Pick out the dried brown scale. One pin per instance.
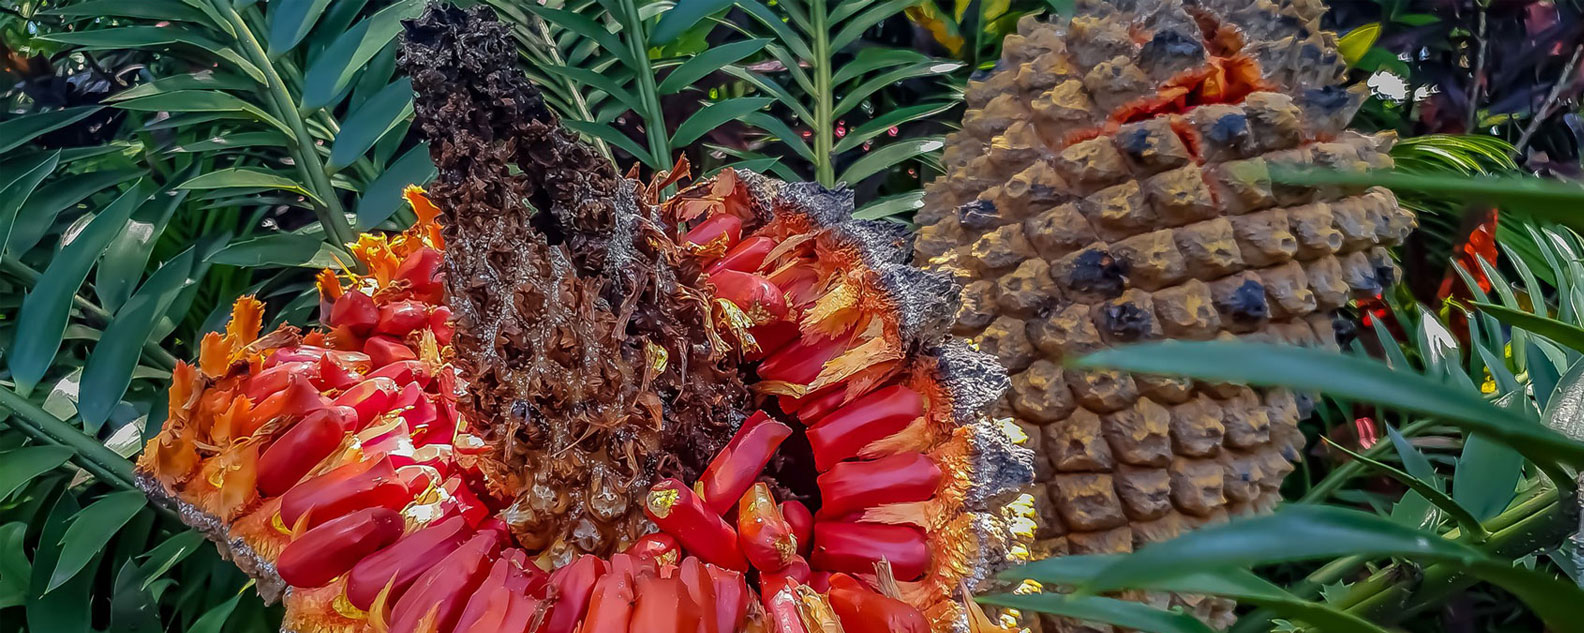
(563, 366)
(1104, 191)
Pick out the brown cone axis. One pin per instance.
(561, 314)
(1111, 184)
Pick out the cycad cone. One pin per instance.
(1111, 184)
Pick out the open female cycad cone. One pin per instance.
(564, 402)
(560, 403)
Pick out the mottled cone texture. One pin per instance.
(1111, 184)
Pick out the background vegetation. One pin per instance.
(159, 158)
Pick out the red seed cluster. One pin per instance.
(334, 464)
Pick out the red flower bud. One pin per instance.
(853, 486)
(418, 411)
(767, 540)
(327, 551)
(701, 531)
(842, 434)
(715, 616)
(367, 484)
(854, 548)
(302, 447)
(794, 574)
(801, 284)
(770, 338)
(295, 354)
(401, 563)
(736, 467)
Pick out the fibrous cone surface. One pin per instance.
(1111, 184)
(564, 402)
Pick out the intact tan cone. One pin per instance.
(1110, 184)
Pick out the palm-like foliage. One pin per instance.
(255, 142)
(793, 88)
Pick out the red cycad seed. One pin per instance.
(503, 603)
(402, 563)
(761, 300)
(334, 374)
(664, 605)
(700, 530)
(842, 434)
(731, 595)
(864, 611)
(366, 484)
(746, 257)
(570, 589)
(441, 592)
(270, 381)
(798, 516)
(354, 311)
(854, 548)
(302, 447)
(800, 363)
(327, 551)
(659, 547)
(404, 372)
(852, 486)
(781, 611)
(300, 397)
(809, 409)
(718, 233)
(397, 318)
(772, 582)
(700, 590)
(736, 467)
(440, 324)
(610, 607)
(369, 398)
(767, 539)
(384, 350)
(421, 270)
